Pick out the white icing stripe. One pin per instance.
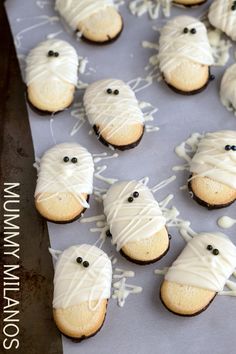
(175, 46)
(228, 88)
(199, 267)
(131, 222)
(74, 11)
(213, 161)
(75, 284)
(111, 112)
(223, 17)
(42, 68)
(56, 176)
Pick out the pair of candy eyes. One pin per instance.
(192, 30)
(134, 195)
(215, 251)
(73, 160)
(80, 260)
(115, 92)
(230, 147)
(51, 53)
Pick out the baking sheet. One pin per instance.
(143, 324)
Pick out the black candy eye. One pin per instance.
(227, 147)
(56, 54)
(193, 31)
(74, 160)
(86, 264)
(209, 248)
(66, 159)
(116, 92)
(109, 91)
(185, 30)
(136, 194)
(79, 260)
(233, 147)
(50, 53)
(130, 199)
(215, 252)
(233, 8)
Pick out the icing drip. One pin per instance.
(228, 88)
(221, 16)
(42, 67)
(42, 4)
(232, 286)
(220, 47)
(186, 150)
(121, 290)
(152, 7)
(53, 35)
(104, 156)
(226, 222)
(131, 221)
(74, 284)
(176, 46)
(82, 64)
(198, 266)
(56, 176)
(110, 112)
(213, 161)
(45, 20)
(98, 174)
(148, 112)
(74, 12)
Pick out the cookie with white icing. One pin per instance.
(222, 15)
(136, 222)
(228, 88)
(65, 181)
(51, 75)
(185, 55)
(97, 20)
(198, 274)
(82, 288)
(213, 170)
(114, 113)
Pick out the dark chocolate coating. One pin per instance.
(118, 147)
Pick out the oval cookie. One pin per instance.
(198, 274)
(136, 222)
(213, 169)
(189, 2)
(65, 181)
(228, 88)
(51, 75)
(113, 111)
(82, 287)
(185, 55)
(222, 15)
(97, 20)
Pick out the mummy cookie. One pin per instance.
(228, 88)
(82, 287)
(97, 20)
(213, 169)
(113, 111)
(198, 274)
(51, 75)
(65, 181)
(136, 222)
(185, 55)
(222, 15)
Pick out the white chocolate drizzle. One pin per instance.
(75, 284)
(226, 222)
(228, 89)
(40, 67)
(176, 46)
(74, 11)
(220, 47)
(223, 17)
(56, 176)
(110, 112)
(198, 266)
(131, 222)
(121, 290)
(152, 7)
